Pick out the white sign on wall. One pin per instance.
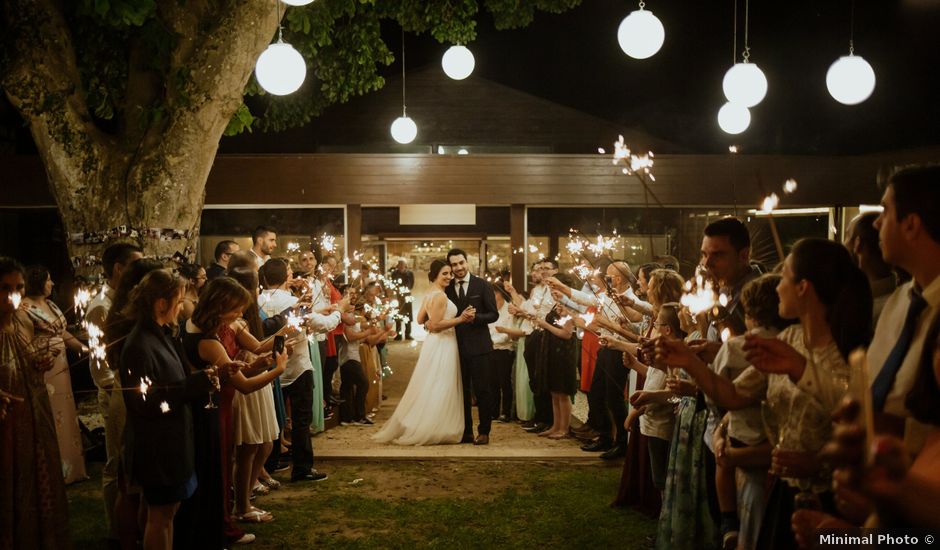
(437, 214)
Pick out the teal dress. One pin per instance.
(525, 401)
(318, 422)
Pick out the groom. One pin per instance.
(473, 341)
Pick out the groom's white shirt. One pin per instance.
(466, 284)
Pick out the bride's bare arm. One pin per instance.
(436, 311)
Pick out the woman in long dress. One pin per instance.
(431, 410)
(49, 331)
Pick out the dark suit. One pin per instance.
(473, 341)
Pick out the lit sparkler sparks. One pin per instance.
(296, 322)
(561, 321)
(770, 203)
(635, 164)
(293, 247)
(587, 317)
(328, 243)
(700, 299)
(95, 345)
(82, 298)
(164, 407)
(145, 384)
(789, 186)
(15, 299)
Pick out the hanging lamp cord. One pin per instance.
(734, 43)
(852, 29)
(280, 29)
(746, 55)
(403, 107)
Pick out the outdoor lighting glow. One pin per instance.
(850, 80)
(404, 130)
(280, 69)
(745, 84)
(734, 118)
(458, 62)
(641, 34)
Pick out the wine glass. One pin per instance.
(213, 377)
(672, 373)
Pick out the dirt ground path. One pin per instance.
(507, 441)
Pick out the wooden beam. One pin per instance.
(517, 214)
(534, 180)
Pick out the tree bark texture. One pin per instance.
(143, 183)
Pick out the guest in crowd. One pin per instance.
(502, 357)
(115, 259)
(539, 304)
(863, 243)
(214, 336)
(355, 383)
(46, 325)
(405, 279)
(298, 380)
(909, 235)
(128, 506)
(556, 369)
(610, 378)
(195, 276)
(726, 257)
(801, 374)
(223, 251)
(33, 503)
(160, 450)
(329, 349)
(263, 243)
(518, 330)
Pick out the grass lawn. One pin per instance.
(452, 504)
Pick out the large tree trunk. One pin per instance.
(144, 184)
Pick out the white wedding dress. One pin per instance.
(431, 410)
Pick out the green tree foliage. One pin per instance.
(341, 40)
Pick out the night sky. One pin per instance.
(574, 59)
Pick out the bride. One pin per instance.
(431, 410)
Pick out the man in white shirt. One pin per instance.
(909, 232)
(610, 376)
(115, 258)
(502, 357)
(263, 243)
(539, 305)
(297, 379)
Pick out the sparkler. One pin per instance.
(700, 299)
(164, 407)
(770, 203)
(293, 247)
(96, 345)
(328, 243)
(789, 186)
(82, 297)
(15, 299)
(145, 384)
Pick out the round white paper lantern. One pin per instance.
(641, 34)
(734, 118)
(280, 69)
(458, 62)
(297, 2)
(745, 84)
(404, 130)
(850, 79)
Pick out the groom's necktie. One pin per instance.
(460, 292)
(885, 379)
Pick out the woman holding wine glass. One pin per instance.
(159, 446)
(800, 373)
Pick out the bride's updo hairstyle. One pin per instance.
(435, 269)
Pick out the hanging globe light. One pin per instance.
(641, 34)
(458, 62)
(404, 129)
(850, 79)
(745, 84)
(734, 118)
(280, 69)
(297, 2)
